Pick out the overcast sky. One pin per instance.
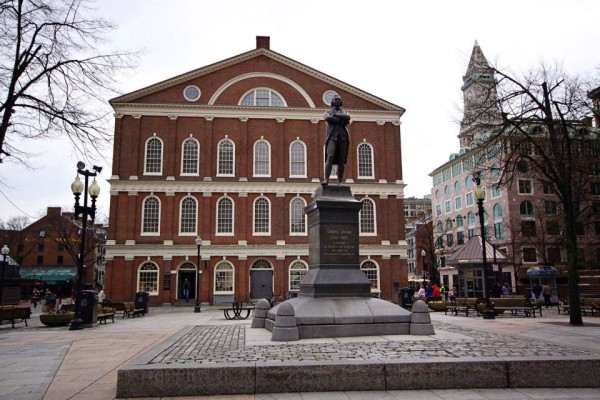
(410, 53)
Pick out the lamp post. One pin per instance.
(488, 312)
(5, 250)
(78, 187)
(198, 244)
(423, 254)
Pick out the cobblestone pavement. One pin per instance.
(225, 344)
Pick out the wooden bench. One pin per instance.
(131, 311)
(515, 306)
(13, 315)
(590, 304)
(462, 305)
(104, 313)
(238, 311)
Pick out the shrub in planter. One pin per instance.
(56, 319)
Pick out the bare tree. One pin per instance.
(545, 132)
(52, 80)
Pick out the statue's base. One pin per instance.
(336, 317)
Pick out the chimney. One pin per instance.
(263, 42)
(53, 211)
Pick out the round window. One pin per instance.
(328, 96)
(191, 93)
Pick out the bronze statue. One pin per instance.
(337, 142)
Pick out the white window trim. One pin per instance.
(461, 203)
(268, 174)
(155, 293)
(304, 175)
(530, 184)
(254, 233)
(271, 91)
(358, 175)
(448, 210)
(162, 152)
(523, 258)
(142, 233)
(219, 157)
(180, 214)
(215, 291)
(378, 290)
(189, 99)
(290, 274)
(305, 219)
(467, 199)
(374, 233)
(232, 233)
(197, 158)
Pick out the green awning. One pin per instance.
(50, 275)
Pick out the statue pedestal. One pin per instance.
(335, 296)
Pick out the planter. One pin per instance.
(56, 319)
(437, 305)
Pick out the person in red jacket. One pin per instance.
(436, 291)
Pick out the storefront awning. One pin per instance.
(50, 275)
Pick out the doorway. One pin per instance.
(187, 270)
(261, 280)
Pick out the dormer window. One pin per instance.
(262, 97)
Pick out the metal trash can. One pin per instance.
(406, 297)
(87, 307)
(141, 301)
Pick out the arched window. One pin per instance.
(153, 156)
(367, 218)
(365, 161)
(297, 159)
(261, 264)
(226, 158)
(188, 216)
(297, 216)
(457, 187)
(298, 270)
(371, 271)
(262, 216)
(262, 158)
(497, 212)
(151, 216)
(526, 209)
(225, 216)
(262, 97)
(224, 278)
(148, 278)
(190, 150)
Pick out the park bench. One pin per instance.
(237, 311)
(13, 315)
(104, 313)
(513, 306)
(131, 311)
(590, 304)
(462, 305)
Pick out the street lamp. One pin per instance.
(78, 188)
(488, 312)
(198, 244)
(5, 250)
(423, 254)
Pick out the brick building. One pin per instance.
(232, 153)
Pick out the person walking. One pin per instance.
(547, 292)
(186, 289)
(35, 297)
(506, 291)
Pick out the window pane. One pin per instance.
(297, 218)
(225, 216)
(297, 159)
(153, 155)
(148, 278)
(151, 215)
(261, 158)
(369, 268)
(223, 278)
(188, 215)
(190, 157)
(365, 160)
(226, 158)
(298, 271)
(261, 216)
(367, 217)
(262, 97)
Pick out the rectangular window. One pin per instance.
(529, 254)
(552, 228)
(469, 197)
(528, 228)
(41, 247)
(471, 233)
(40, 260)
(448, 206)
(60, 247)
(450, 239)
(457, 203)
(549, 189)
(460, 238)
(550, 207)
(554, 255)
(499, 230)
(525, 186)
(496, 191)
(438, 210)
(59, 260)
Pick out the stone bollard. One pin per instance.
(285, 324)
(260, 313)
(420, 320)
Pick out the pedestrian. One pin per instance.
(506, 291)
(436, 290)
(50, 301)
(101, 295)
(186, 289)
(421, 292)
(547, 292)
(443, 292)
(35, 297)
(429, 290)
(537, 291)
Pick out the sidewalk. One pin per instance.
(37, 362)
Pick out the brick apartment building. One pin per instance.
(232, 153)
